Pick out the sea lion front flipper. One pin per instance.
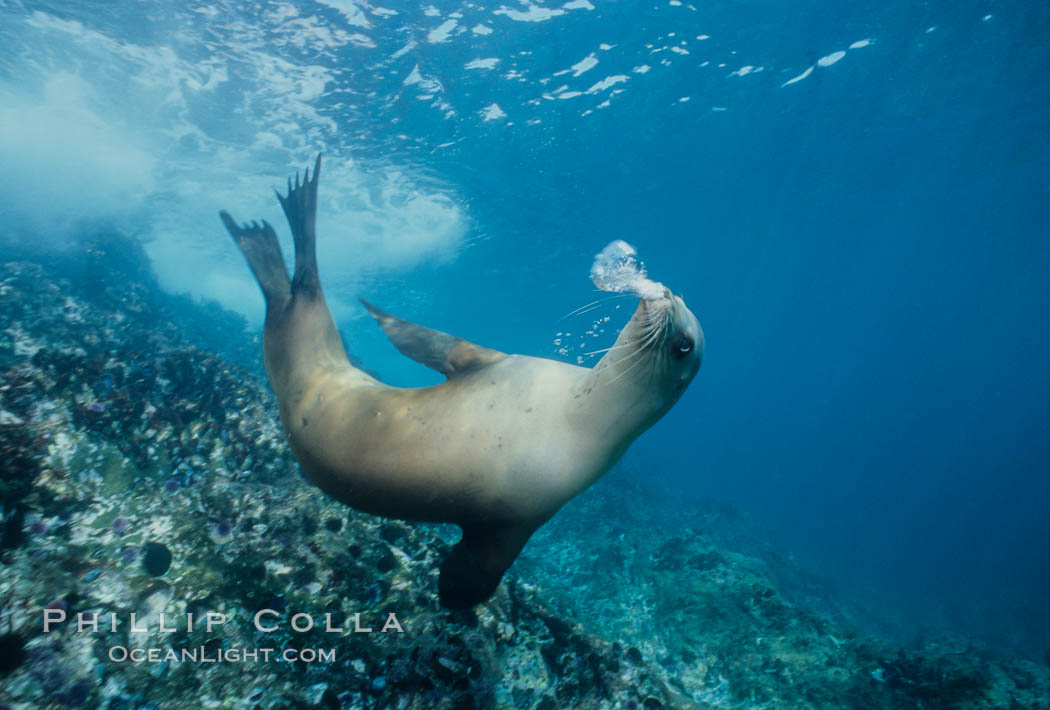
(443, 352)
(473, 569)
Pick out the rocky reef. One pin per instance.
(144, 471)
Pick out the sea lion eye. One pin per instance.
(685, 344)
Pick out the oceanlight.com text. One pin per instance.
(200, 654)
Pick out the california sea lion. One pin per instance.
(497, 448)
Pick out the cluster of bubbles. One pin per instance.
(616, 269)
(565, 346)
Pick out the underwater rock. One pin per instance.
(12, 533)
(156, 558)
(12, 652)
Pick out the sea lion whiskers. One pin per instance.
(618, 346)
(652, 333)
(614, 346)
(641, 345)
(650, 328)
(594, 305)
(659, 332)
(649, 325)
(634, 364)
(656, 324)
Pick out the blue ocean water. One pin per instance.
(853, 199)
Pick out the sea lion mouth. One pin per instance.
(657, 314)
(651, 324)
(665, 296)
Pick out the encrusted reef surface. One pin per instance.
(144, 473)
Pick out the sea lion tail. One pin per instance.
(300, 208)
(259, 245)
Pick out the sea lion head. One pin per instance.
(660, 350)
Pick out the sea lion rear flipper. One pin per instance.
(473, 569)
(443, 352)
(259, 245)
(300, 208)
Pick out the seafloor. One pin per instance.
(143, 472)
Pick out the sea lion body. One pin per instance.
(443, 453)
(498, 448)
